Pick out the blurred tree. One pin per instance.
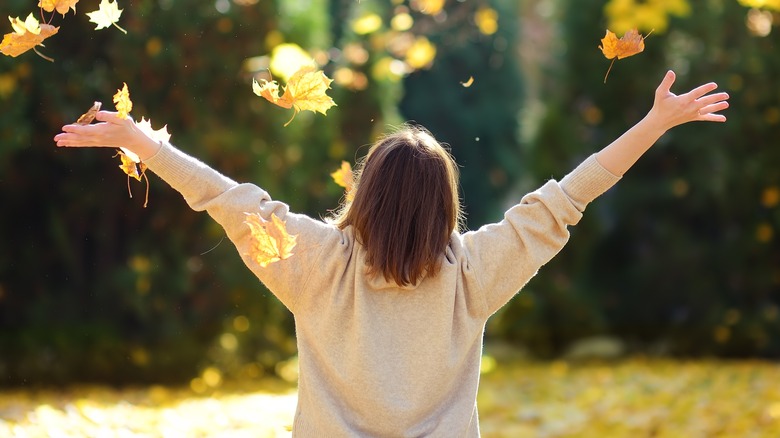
(682, 253)
(480, 122)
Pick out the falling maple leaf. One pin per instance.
(270, 239)
(89, 116)
(131, 164)
(26, 35)
(107, 15)
(122, 101)
(62, 6)
(305, 90)
(631, 43)
(157, 135)
(345, 178)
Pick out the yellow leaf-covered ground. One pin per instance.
(635, 398)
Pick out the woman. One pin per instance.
(390, 300)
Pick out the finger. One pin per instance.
(108, 116)
(712, 118)
(701, 90)
(76, 129)
(666, 83)
(712, 98)
(714, 108)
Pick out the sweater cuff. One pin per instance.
(172, 165)
(587, 182)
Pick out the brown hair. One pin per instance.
(405, 205)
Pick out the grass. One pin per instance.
(632, 398)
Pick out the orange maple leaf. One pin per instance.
(344, 177)
(306, 90)
(26, 35)
(270, 240)
(631, 43)
(62, 6)
(122, 101)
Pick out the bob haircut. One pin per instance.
(405, 205)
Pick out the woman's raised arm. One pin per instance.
(668, 111)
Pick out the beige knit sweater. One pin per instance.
(378, 360)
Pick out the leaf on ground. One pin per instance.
(270, 240)
(62, 6)
(631, 43)
(26, 35)
(305, 90)
(89, 116)
(344, 177)
(107, 14)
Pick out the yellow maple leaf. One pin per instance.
(631, 43)
(270, 239)
(62, 6)
(122, 101)
(305, 90)
(132, 166)
(107, 14)
(345, 178)
(26, 35)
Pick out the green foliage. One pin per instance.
(92, 285)
(683, 252)
(480, 122)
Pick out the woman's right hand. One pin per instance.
(112, 131)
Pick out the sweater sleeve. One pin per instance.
(504, 256)
(227, 202)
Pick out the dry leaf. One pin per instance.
(89, 116)
(468, 82)
(122, 101)
(107, 15)
(132, 166)
(62, 6)
(631, 43)
(131, 163)
(159, 135)
(305, 90)
(270, 240)
(27, 34)
(344, 177)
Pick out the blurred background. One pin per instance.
(680, 259)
